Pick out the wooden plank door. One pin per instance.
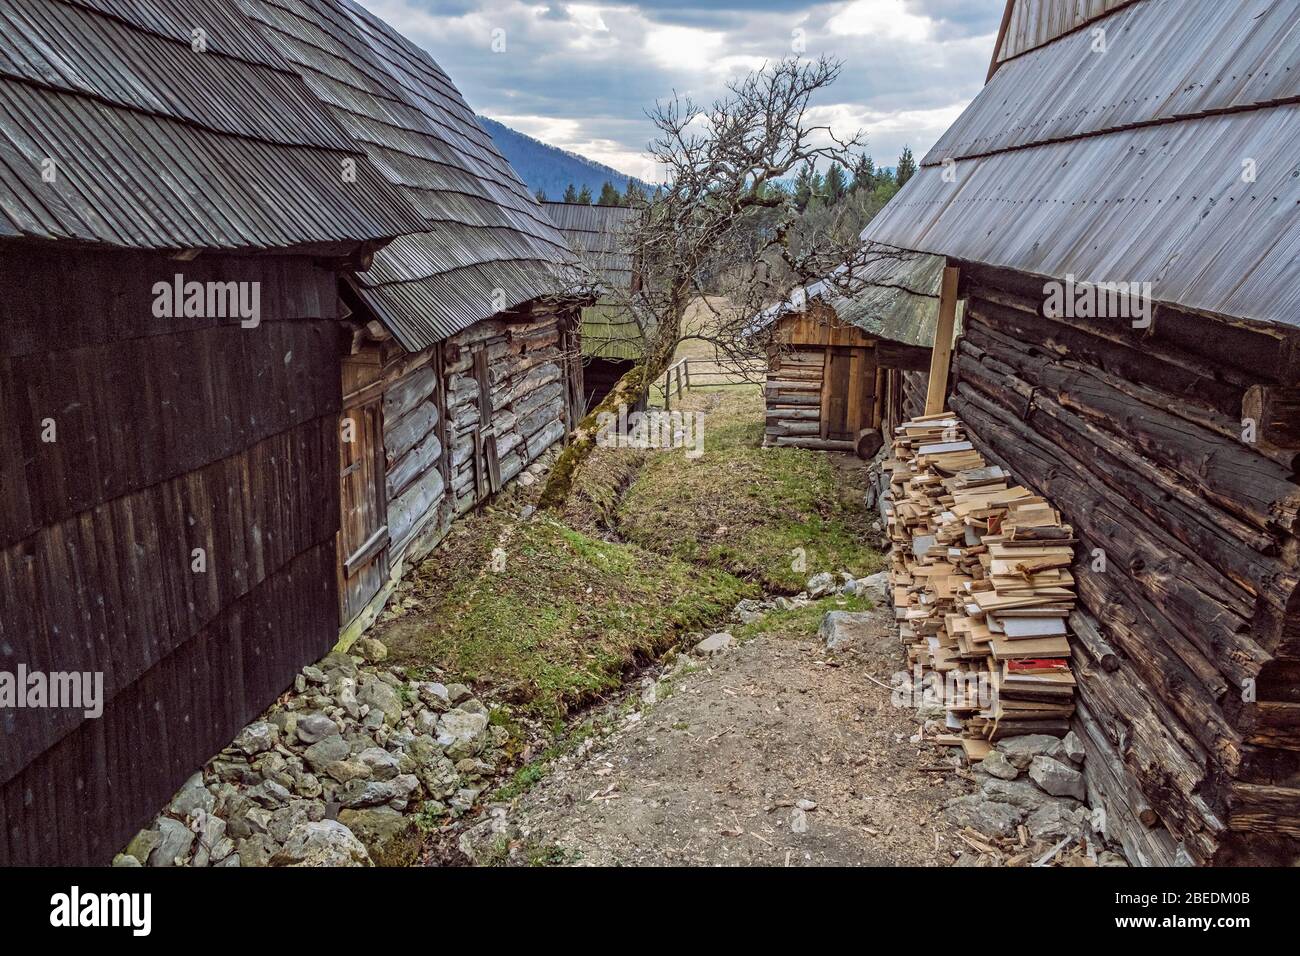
(836, 425)
(571, 343)
(487, 469)
(362, 545)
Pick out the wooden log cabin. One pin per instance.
(464, 359)
(612, 341)
(193, 492)
(848, 358)
(1167, 435)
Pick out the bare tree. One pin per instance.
(719, 231)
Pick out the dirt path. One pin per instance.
(715, 770)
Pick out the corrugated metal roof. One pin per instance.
(599, 235)
(486, 245)
(1146, 188)
(158, 146)
(1035, 23)
(896, 297)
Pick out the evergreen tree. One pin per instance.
(906, 167)
(609, 196)
(541, 195)
(806, 185)
(584, 195)
(634, 194)
(836, 185)
(570, 194)
(864, 174)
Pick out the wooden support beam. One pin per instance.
(941, 353)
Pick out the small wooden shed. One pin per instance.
(844, 369)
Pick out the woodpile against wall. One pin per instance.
(1188, 565)
(981, 587)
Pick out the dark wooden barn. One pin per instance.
(265, 332)
(1151, 145)
(848, 358)
(170, 500)
(612, 341)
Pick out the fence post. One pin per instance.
(686, 364)
(668, 381)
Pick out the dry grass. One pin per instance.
(749, 510)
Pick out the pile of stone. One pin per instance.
(347, 769)
(1029, 809)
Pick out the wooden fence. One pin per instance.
(689, 373)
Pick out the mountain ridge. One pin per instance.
(550, 168)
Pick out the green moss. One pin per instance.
(563, 622)
(771, 515)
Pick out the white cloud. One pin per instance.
(683, 48)
(582, 75)
(884, 18)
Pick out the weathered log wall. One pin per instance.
(1188, 557)
(461, 419)
(169, 435)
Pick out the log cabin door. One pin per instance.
(848, 403)
(363, 553)
(487, 467)
(836, 425)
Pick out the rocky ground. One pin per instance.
(353, 767)
(777, 745)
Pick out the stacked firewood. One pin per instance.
(982, 588)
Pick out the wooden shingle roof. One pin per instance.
(171, 124)
(891, 294)
(486, 245)
(599, 235)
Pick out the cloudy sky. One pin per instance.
(581, 75)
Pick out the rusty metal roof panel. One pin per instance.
(485, 245)
(1163, 60)
(156, 145)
